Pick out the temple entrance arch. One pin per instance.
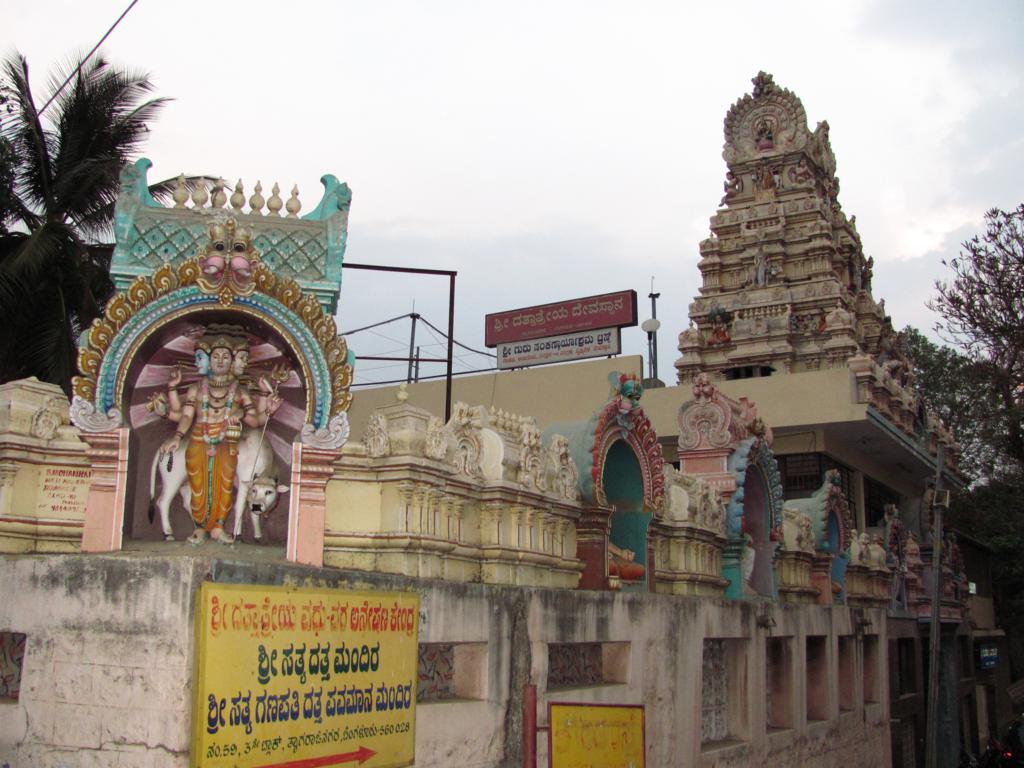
(621, 483)
(622, 480)
(234, 377)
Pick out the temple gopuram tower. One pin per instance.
(786, 285)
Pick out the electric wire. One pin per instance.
(424, 378)
(88, 56)
(441, 342)
(457, 343)
(374, 325)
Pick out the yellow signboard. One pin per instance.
(596, 736)
(303, 678)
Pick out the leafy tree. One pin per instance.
(65, 170)
(979, 393)
(955, 389)
(982, 311)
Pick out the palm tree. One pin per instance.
(57, 206)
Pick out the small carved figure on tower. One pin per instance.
(764, 134)
(764, 180)
(732, 186)
(801, 174)
(720, 319)
(762, 269)
(867, 273)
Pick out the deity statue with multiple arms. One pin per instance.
(211, 417)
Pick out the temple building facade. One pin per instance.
(219, 555)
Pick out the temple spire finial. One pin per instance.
(764, 84)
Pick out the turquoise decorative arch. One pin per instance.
(187, 300)
(754, 452)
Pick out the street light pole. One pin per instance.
(650, 327)
(935, 629)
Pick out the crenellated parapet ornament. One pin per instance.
(623, 419)
(481, 497)
(227, 275)
(688, 534)
(829, 528)
(308, 250)
(714, 421)
(728, 445)
(868, 575)
(884, 382)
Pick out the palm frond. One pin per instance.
(33, 144)
(66, 181)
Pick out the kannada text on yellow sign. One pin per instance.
(596, 736)
(303, 677)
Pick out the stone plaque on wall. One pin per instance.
(63, 492)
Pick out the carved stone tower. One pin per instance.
(786, 286)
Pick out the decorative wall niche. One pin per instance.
(575, 665)
(451, 671)
(12, 657)
(779, 705)
(817, 677)
(724, 692)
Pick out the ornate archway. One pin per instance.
(622, 484)
(286, 378)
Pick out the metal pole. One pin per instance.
(451, 315)
(652, 366)
(416, 372)
(654, 336)
(935, 628)
(530, 726)
(451, 349)
(412, 345)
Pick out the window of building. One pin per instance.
(817, 678)
(803, 474)
(876, 496)
(779, 682)
(450, 671)
(847, 673)
(572, 665)
(723, 692)
(12, 656)
(748, 372)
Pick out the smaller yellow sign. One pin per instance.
(304, 678)
(596, 736)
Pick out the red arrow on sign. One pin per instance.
(361, 755)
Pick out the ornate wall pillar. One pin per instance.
(592, 547)
(104, 512)
(312, 467)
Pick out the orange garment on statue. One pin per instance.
(212, 484)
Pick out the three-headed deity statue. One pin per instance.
(210, 418)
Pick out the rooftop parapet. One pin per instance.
(308, 250)
(479, 498)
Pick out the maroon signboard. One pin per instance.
(609, 310)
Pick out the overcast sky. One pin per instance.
(553, 150)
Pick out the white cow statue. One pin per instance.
(258, 489)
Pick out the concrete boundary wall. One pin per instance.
(107, 671)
